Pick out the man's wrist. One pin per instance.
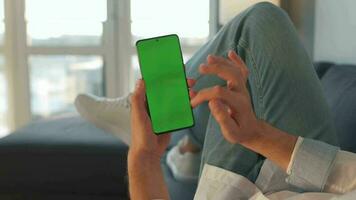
(146, 180)
(272, 143)
(258, 135)
(140, 164)
(140, 155)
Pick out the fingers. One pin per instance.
(228, 73)
(192, 94)
(217, 92)
(191, 82)
(233, 70)
(220, 113)
(234, 60)
(232, 55)
(211, 59)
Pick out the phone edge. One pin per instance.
(186, 82)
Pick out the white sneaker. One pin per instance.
(111, 115)
(184, 166)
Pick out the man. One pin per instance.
(265, 103)
(297, 158)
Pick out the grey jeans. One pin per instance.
(284, 87)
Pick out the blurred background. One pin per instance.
(51, 50)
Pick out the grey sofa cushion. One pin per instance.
(63, 156)
(322, 67)
(339, 85)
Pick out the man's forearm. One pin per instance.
(274, 144)
(146, 179)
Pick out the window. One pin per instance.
(56, 49)
(2, 26)
(3, 83)
(65, 22)
(55, 81)
(3, 97)
(229, 9)
(188, 19)
(57, 75)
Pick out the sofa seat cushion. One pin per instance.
(339, 85)
(63, 156)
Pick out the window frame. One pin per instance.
(116, 51)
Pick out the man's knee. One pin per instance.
(266, 14)
(266, 6)
(263, 15)
(265, 10)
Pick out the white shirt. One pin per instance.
(217, 183)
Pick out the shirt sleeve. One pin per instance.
(342, 178)
(311, 165)
(220, 184)
(295, 150)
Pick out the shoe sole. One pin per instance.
(100, 124)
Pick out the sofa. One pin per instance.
(68, 158)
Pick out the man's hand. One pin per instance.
(231, 105)
(143, 138)
(232, 109)
(144, 168)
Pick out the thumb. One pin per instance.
(138, 102)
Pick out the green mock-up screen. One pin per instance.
(167, 94)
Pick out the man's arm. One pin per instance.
(273, 144)
(231, 107)
(316, 166)
(313, 165)
(145, 175)
(146, 179)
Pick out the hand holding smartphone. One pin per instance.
(167, 93)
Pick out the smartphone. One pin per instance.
(167, 93)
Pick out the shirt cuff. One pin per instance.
(311, 165)
(296, 148)
(220, 184)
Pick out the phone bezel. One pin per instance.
(181, 58)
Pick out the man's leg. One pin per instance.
(284, 88)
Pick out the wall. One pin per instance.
(335, 31)
(302, 14)
(229, 8)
